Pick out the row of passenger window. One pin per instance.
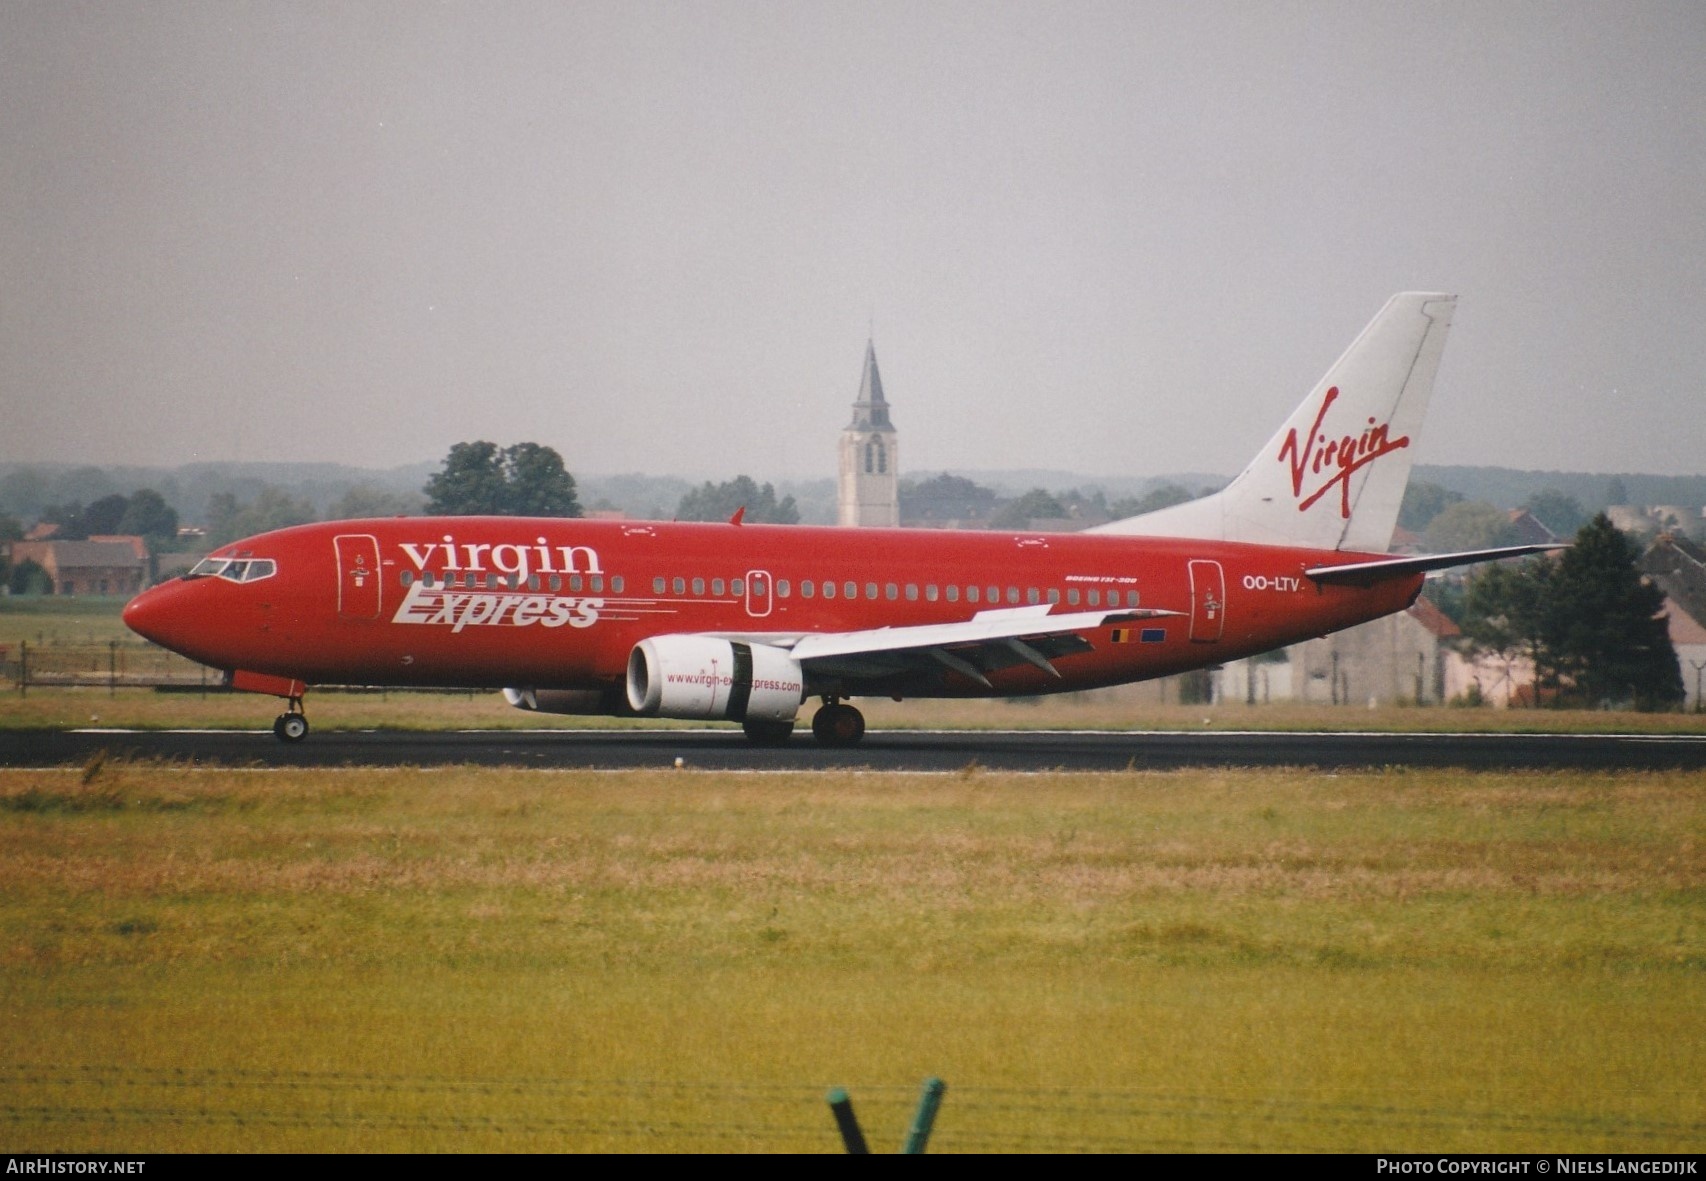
(808, 588)
(892, 591)
(573, 583)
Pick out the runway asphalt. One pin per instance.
(894, 750)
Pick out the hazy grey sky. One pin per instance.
(1113, 238)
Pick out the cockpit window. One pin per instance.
(242, 570)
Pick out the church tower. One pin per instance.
(870, 469)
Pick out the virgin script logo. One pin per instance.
(1335, 459)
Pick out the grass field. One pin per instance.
(56, 619)
(459, 959)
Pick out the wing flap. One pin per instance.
(986, 627)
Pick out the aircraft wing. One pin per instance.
(1369, 573)
(989, 641)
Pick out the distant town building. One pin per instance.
(1658, 518)
(107, 566)
(1527, 529)
(869, 486)
(1400, 658)
(1688, 637)
(1678, 566)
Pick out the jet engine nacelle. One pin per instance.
(705, 678)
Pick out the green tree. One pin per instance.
(1589, 619)
(364, 500)
(1469, 525)
(945, 498)
(69, 517)
(1021, 511)
(525, 480)
(1561, 513)
(28, 578)
(539, 485)
(1503, 610)
(1603, 623)
(273, 508)
(719, 502)
(1423, 502)
(148, 516)
(1159, 497)
(11, 529)
(24, 492)
(105, 515)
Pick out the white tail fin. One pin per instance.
(1334, 475)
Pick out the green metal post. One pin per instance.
(925, 1119)
(851, 1136)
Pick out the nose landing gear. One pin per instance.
(837, 724)
(292, 724)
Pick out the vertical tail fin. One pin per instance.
(1334, 475)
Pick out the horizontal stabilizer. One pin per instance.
(1369, 573)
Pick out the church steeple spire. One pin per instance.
(869, 491)
(871, 411)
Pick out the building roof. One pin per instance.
(871, 411)
(1685, 630)
(72, 555)
(1437, 622)
(1530, 530)
(137, 545)
(1678, 566)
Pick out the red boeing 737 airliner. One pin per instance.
(744, 623)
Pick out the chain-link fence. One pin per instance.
(113, 664)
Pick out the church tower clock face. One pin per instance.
(869, 487)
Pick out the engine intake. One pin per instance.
(704, 678)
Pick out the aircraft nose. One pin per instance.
(154, 615)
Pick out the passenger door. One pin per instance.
(358, 576)
(1208, 601)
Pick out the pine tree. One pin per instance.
(1602, 626)
(1588, 619)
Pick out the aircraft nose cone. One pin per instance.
(151, 615)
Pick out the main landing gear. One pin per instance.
(292, 724)
(837, 724)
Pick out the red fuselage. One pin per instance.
(552, 603)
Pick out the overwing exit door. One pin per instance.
(758, 593)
